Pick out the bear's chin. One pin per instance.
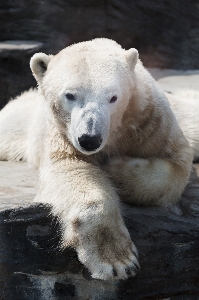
(89, 152)
(86, 152)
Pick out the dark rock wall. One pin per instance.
(165, 32)
(15, 73)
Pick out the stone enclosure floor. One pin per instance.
(18, 184)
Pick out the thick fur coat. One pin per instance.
(100, 128)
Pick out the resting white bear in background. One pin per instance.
(99, 121)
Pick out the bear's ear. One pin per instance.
(132, 57)
(39, 64)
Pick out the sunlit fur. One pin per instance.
(144, 157)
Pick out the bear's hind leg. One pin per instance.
(148, 181)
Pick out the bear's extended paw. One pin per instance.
(108, 253)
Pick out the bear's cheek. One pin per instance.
(61, 117)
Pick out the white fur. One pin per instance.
(149, 160)
(185, 105)
(22, 129)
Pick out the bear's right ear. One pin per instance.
(39, 64)
(132, 57)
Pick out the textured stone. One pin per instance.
(32, 267)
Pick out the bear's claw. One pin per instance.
(110, 266)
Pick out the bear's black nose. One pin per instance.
(90, 142)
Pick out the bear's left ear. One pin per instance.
(132, 57)
(39, 64)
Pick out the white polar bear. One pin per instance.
(99, 121)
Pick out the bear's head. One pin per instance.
(87, 87)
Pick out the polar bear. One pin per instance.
(98, 128)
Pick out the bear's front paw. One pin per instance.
(108, 253)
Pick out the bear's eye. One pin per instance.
(113, 99)
(70, 97)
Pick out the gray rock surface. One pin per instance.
(174, 80)
(33, 268)
(18, 185)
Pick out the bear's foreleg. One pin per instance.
(148, 181)
(86, 203)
